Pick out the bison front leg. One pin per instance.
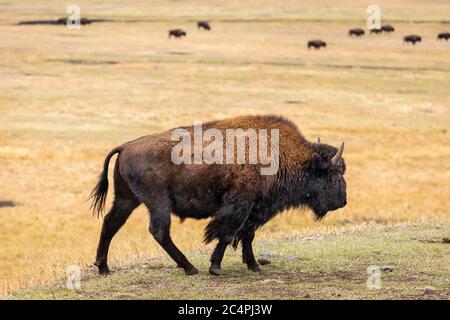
(226, 225)
(217, 257)
(247, 249)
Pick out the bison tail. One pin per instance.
(99, 193)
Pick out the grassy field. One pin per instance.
(69, 96)
(414, 263)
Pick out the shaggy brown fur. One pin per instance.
(237, 197)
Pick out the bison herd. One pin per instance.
(383, 29)
(317, 44)
(179, 33)
(358, 32)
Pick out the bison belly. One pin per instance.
(197, 191)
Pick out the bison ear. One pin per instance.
(319, 163)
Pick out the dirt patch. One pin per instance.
(179, 53)
(445, 240)
(381, 68)
(293, 102)
(7, 203)
(85, 62)
(61, 21)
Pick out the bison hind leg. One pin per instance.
(246, 237)
(124, 204)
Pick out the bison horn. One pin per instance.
(337, 156)
(318, 139)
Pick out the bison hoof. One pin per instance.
(254, 268)
(215, 271)
(104, 271)
(102, 268)
(191, 271)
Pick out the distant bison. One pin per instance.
(412, 38)
(317, 44)
(177, 33)
(376, 31)
(387, 28)
(443, 36)
(203, 25)
(237, 196)
(356, 32)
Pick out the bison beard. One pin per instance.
(236, 196)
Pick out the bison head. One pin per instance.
(325, 180)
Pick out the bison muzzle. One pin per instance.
(237, 197)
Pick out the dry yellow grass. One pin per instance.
(389, 102)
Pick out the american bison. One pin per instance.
(317, 44)
(376, 31)
(356, 32)
(203, 25)
(177, 33)
(412, 38)
(443, 36)
(237, 196)
(387, 28)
